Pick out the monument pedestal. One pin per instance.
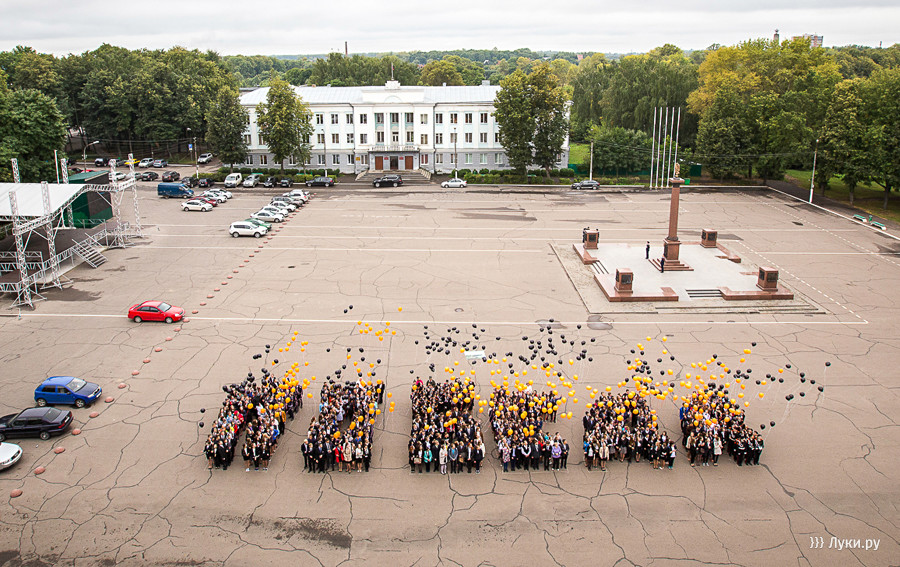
(671, 245)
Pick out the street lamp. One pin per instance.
(812, 181)
(455, 154)
(84, 152)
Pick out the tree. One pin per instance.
(226, 120)
(844, 139)
(589, 81)
(31, 127)
(285, 123)
(620, 150)
(882, 106)
(437, 73)
(531, 112)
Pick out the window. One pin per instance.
(363, 138)
(438, 139)
(410, 138)
(364, 159)
(483, 159)
(498, 159)
(395, 117)
(349, 138)
(452, 158)
(453, 138)
(453, 118)
(424, 139)
(349, 119)
(363, 118)
(320, 119)
(439, 118)
(309, 138)
(334, 118)
(321, 159)
(335, 138)
(379, 118)
(395, 137)
(247, 139)
(379, 137)
(484, 117)
(263, 160)
(249, 160)
(320, 138)
(409, 117)
(468, 117)
(468, 159)
(292, 160)
(496, 137)
(335, 159)
(468, 137)
(423, 119)
(349, 159)
(439, 159)
(482, 137)
(423, 159)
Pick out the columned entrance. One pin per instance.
(395, 162)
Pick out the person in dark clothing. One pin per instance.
(647, 250)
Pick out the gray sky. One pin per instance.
(293, 27)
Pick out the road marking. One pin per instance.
(357, 249)
(500, 228)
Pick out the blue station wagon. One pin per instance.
(67, 390)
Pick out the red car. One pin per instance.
(155, 311)
(209, 200)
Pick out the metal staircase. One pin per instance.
(85, 250)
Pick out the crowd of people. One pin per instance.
(444, 436)
(328, 445)
(713, 424)
(262, 408)
(517, 418)
(623, 427)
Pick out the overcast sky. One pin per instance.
(296, 27)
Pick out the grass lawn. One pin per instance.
(579, 153)
(869, 199)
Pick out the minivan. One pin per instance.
(233, 180)
(252, 180)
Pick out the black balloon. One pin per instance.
(200, 424)
(202, 410)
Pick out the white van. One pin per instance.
(233, 180)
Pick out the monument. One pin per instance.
(670, 260)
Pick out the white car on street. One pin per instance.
(146, 162)
(268, 216)
(10, 453)
(246, 228)
(195, 205)
(456, 182)
(214, 195)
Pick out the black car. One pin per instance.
(391, 179)
(206, 183)
(149, 176)
(270, 182)
(35, 422)
(101, 162)
(586, 184)
(321, 182)
(189, 181)
(171, 176)
(286, 182)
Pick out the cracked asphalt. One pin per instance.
(133, 487)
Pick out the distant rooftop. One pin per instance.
(382, 93)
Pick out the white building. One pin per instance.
(394, 127)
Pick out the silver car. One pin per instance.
(196, 205)
(284, 203)
(268, 216)
(146, 162)
(252, 180)
(276, 210)
(10, 453)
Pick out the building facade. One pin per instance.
(393, 128)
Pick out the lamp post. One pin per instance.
(455, 154)
(84, 152)
(591, 172)
(812, 181)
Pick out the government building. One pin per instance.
(393, 128)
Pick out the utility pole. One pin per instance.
(591, 171)
(812, 180)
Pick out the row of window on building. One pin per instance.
(468, 118)
(395, 138)
(338, 159)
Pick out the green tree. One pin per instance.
(589, 82)
(31, 127)
(513, 112)
(620, 150)
(437, 73)
(548, 107)
(882, 104)
(285, 123)
(226, 120)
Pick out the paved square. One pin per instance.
(133, 488)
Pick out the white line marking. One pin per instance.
(326, 249)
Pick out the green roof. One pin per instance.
(87, 176)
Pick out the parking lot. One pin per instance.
(134, 489)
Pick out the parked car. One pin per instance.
(35, 422)
(270, 182)
(286, 201)
(167, 190)
(155, 311)
(146, 162)
(218, 197)
(233, 180)
(206, 182)
(66, 390)
(206, 199)
(171, 176)
(268, 216)
(252, 180)
(390, 179)
(120, 175)
(321, 182)
(101, 162)
(149, 176)
(225, 192)
(258, 222)
(127, 162)
(273, 210)
(286, 182)
(586, 184)
(160, 163)
(244, 228)
(298, 193)
(10, 453)
(205, 158)
(190, 181)
(455, 182)
(196, 205)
